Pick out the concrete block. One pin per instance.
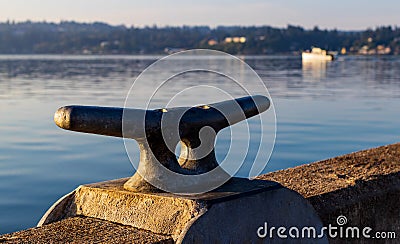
(241, 211)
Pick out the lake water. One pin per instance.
(323, 110)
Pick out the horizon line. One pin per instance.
(187, 25)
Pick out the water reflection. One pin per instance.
(286, 76)
(314, 71)
(62, 69)
(323, 110)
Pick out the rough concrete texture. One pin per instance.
(363, 186)
(239, 220)
(110, 201)
(233, 212)
(159, 214)
(84, 230)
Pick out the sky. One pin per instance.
(330, 14)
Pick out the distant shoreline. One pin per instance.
(98, 38)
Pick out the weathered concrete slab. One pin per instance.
(84, 230)
(363, 186)
(233, 212)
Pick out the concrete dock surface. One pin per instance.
(84, 230)
(364, 186)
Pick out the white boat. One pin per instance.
(318, 54)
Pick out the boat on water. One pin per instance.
(318, 54)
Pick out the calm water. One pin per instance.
(323, 110)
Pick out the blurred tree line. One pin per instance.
(99, 38)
